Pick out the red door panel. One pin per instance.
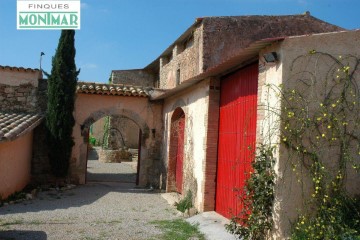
(237, 136)
(180, 155)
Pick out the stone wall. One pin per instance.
(18, 89)
(20, 98)
(217, 39)
(183, 62)
(136, 77)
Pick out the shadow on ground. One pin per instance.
(22, 235)
(111, 177)
(77, 197)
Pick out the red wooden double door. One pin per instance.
(237, 136)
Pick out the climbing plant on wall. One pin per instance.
(321, 130)
(319, 121)
(61, 97)
(255, 220)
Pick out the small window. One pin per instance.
(157, 80)
(180, 48)
(177, 77)
(189, 42)
(165, 60)
(170, 57)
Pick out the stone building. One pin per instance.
(199, 108)
(187, 79)
(20, 114)
(211, 83)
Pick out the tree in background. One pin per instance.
(61, 98)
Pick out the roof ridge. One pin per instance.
(19, 68)
(307, 13)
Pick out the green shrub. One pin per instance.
(185, 203)
(92, 141)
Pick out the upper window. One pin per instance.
(188, 43)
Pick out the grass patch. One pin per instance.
(186, 203)
(115, 221)
(19, 222)
(35, 222)
(15, 222)
(109, 222)
(6, 225)
(178, 229)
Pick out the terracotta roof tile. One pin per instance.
(111, 89)
(13, 125)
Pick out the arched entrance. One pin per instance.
(89, 108)
(114, 150)
(176, 151)
(143, 131)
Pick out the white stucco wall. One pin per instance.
(194, 103)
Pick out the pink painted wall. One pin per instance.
(15, 164)
(139, 109)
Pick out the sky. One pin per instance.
(130, 34)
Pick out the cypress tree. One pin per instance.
(61, 98)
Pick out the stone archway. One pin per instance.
(142, 137)
(147, 115)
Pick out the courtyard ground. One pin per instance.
(109, 206)
(124, 172)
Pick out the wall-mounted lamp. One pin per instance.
(270, 57)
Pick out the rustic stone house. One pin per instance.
(186, 77)
(211, 83)
(19, 115)
(199, 108)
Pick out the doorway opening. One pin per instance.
(176, 151)
(114, 150)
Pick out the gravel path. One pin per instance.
(97, 210)
(124, 172)
(110, 172)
